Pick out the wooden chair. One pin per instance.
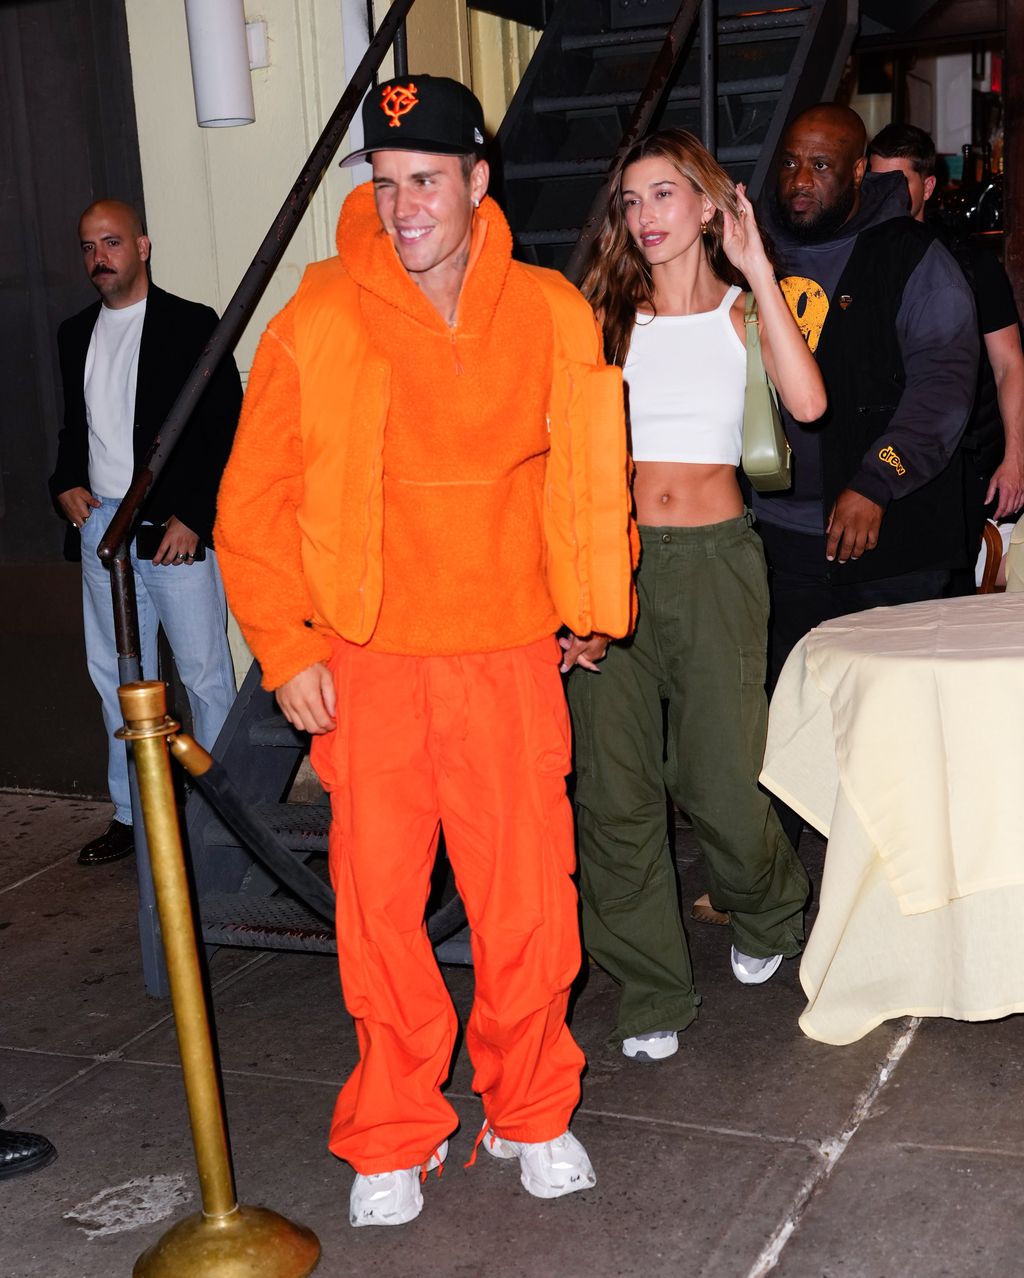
(992, 546)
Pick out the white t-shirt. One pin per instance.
(687, 375)
(111, 371)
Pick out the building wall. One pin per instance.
(499, 52)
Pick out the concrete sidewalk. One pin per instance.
(753, 1151)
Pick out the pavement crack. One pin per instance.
(830, 1151)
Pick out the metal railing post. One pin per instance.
(708, 76)
(224, 1238)
(401, 51)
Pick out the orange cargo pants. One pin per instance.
(479, 743)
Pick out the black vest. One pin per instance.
(860, 360)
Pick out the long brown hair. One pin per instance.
(618, 278)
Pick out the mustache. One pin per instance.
(102, 270)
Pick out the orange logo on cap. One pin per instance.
(396, 102)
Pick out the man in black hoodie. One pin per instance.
(875, 513)
(993, 443)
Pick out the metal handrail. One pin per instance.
(675, 45)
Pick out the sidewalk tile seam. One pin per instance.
(223, 983)
(41, 1051)
(43, 1100)
(831, 1151)
(710, 1129)
(10, 887)
(980, 1151)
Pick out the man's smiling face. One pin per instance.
(425, 203)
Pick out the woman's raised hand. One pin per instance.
(741, 240)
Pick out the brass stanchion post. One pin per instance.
(225, 1240)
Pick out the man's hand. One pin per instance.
(178, 544)
(1008, 482)
(852, 526)
(582, 652)
(308, 700)
(77, 503)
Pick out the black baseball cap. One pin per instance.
(428, 113)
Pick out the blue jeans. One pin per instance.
(188, 601)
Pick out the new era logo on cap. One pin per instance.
(427, 113)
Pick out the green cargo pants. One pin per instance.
(700, 646)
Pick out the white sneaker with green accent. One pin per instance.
(753, 971)
(548, 1168)
(391, 1198)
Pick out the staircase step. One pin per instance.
(780, 25)
(569, 235)
(456, 950)
(302, 827)
(684, 93)
(263, 923)
(558, 168)
(601, 164)
(281, 923)
(275, 730)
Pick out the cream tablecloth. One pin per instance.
(899, 734)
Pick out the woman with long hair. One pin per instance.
(666, 278)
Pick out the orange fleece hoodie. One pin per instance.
(422, 489)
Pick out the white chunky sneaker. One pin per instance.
(390, 1198)
(657, 1045)
(753, 971)
(549, 1168)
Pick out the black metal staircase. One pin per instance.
(592, 66)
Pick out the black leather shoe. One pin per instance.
(22, 1152)
(115, 842)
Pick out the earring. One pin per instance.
(476, 204)
(704, 229)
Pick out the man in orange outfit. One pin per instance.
(429, 478)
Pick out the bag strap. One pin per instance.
(753, 334)
(756, 373)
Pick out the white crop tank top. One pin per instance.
(686, 376)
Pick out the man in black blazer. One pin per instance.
(123, 361)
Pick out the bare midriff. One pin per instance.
(685, 494)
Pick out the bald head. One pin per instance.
(841, 123)
(821, 169)
(117, 210)
(115, 250)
